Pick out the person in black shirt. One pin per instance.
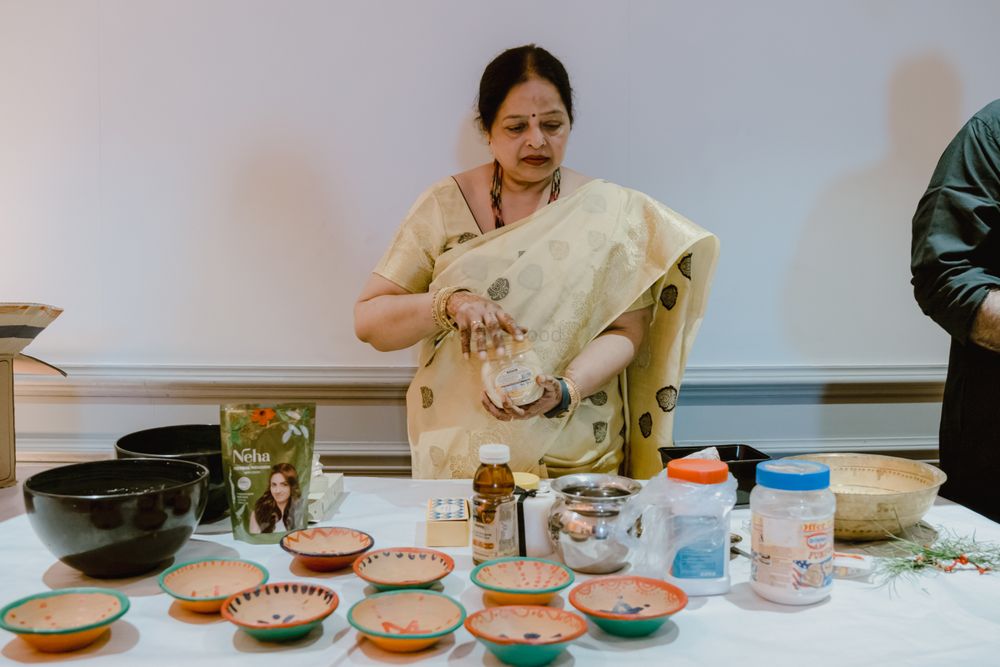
(955, 264)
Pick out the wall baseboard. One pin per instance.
(780, 410)
(702, 385)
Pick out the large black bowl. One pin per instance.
(116, 518)
(200, 443)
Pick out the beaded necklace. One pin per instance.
(497, 187)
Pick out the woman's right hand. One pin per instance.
(481, 320)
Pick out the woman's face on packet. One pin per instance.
(530, 132)
(280, 490)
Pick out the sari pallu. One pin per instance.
(565, 273)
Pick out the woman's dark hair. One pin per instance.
(515, 66)
(266, 510)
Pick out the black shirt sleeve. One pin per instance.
(955, 258)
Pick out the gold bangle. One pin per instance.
(439, 307)
(574, 393)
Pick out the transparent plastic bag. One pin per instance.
(653, 548)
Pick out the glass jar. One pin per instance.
(512, 373)
(791, 511)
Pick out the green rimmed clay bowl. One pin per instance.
(203, 585)
(407, 620)
(521, 581)
(64, 620)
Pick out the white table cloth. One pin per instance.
(951, 619)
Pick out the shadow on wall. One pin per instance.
(471, 148)
(279, 233)
(848, 296)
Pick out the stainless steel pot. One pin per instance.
(581, 520)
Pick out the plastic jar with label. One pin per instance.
(791, 534)
(512, 373)
(701, 494)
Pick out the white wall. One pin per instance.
(205, 184)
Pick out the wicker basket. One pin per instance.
(878, 496)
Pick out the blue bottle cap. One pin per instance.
(793, 475)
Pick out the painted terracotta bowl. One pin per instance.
(203, 585)
(64, 620)
(328, 548)
(628, 606)
(403, 567)
(525, 636)
(522, 580)
(406, 621)
(280, 612)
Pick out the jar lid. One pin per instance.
(787, 475)
(699, 471)
(494, 454)
(511, 346)
(526, 480)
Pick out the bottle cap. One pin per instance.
(526, 480)
(798, 475)
(699, 471)
(494, 454)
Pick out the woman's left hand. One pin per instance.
(550, 398)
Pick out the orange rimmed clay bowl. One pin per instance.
(326, 549)
(525, 636)
(628, 606)
(64, 620)
(407, 620)
(521, 581)
(203, 585)
(280, 612)
(403, 567)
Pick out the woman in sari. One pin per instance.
(608, 284)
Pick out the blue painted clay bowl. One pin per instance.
(64, 620)
(525, 636)
(628, 606)
(199, 443)
(280, 612)
(521, 581)
(403, 567)
(116, 518)
(407, 620)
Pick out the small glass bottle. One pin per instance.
(791, 515)
(512, 373)
(494, 510)
(701, 496)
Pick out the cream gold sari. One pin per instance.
(565, 273)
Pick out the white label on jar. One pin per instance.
(519, 383)
(792, 554)
(497, 538)
(703, 557)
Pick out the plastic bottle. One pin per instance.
(701, 494)
(791, 535)
(512, 373)
(494, 512)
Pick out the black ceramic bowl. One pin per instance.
(200, 443)
(116, 518)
